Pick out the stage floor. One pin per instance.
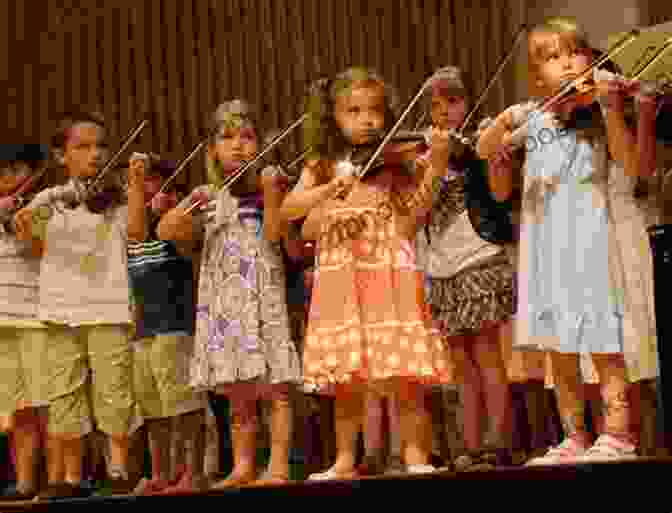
(639, 486)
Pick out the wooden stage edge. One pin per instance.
(644, 482)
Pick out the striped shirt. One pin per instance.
(19, 275)
(162, 286)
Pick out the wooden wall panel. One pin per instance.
(175, 61)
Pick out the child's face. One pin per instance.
(85, 150)
(558, 61)
(12, 176)
(233, 146)
(360, 113)
(448, 111)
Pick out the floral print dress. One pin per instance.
(242, 324)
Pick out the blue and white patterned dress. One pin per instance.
(569, 299)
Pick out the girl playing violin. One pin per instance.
(243, 346)
(368, 325)
(471, 289)
(573, 298)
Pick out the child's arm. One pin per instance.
(274, 187)
(496, 143)
(492, 137)
(24, 219)
(37, 248)
(621, 141)
(312, 226)
(308, 194)
(182, 228)
(137, 212)
(417, 205)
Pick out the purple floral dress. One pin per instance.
(242, 324)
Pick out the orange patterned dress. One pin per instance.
(368, 319)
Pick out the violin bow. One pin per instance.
(247, 165)
(180, 167)
(115, 158)
(500, 68)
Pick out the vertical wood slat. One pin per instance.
(268, 59)
(13, 109)
(21, 98)
(127, 110)
(158, 83)
(192, 91)
(110, 91)
(223, 62)
(174, 76)
(139, 77)
(254, 40)
(206, 58)
(60, 71)
(238, 25)
(73, 45)
(301, 78)
(93, 80)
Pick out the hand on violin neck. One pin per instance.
(445, 144)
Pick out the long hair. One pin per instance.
(321, 132)
(456, 80)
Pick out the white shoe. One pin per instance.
(568, 452)
(610, 448)
(331, 474)
(420, 469)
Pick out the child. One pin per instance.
(572, 295)
(471, 289)
(162, 281)
(23, 392)
(243, 345)
(368, 324)
(84, 298)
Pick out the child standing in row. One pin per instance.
(23, 342)
(471, 287)
(243, 344)
(84, 299)
(573, 300)
(162, 282)
(368, 327)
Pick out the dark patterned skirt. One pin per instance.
(474, 298)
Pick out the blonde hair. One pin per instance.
(233, 114)
(562, 31)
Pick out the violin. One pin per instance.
(404, 147)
